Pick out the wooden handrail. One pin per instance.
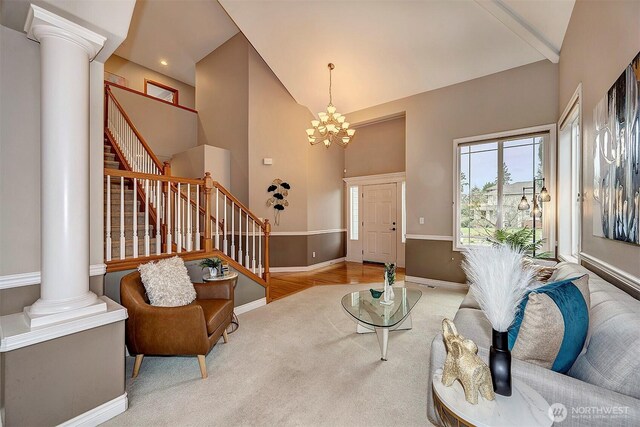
(137, 92)
(238, 203)
(157, 162)
(152, 177)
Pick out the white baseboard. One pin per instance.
(308, 267)
(250, 306)
(26, 279)
(435, 282)
(101, 414)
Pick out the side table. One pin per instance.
(525, 407)
(231, 276)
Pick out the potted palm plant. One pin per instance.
(213, 264)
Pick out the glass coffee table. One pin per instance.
(372, 316)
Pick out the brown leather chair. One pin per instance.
(170, 331)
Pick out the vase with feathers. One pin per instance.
(498, 282)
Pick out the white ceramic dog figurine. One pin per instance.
(463, 364)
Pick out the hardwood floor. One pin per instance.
(284, 284)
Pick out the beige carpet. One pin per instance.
(297, 361)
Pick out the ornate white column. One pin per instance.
(65, 51)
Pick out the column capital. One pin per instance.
(42, 23)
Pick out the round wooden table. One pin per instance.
(231, 276)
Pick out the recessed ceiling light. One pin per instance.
(163, 62)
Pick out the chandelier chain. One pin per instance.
(330, 97)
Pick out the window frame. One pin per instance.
(162, 86)
(354, 230)
(549, 214)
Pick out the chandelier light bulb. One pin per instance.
(331, 126)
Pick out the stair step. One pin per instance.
(111, 157)
(111, 164)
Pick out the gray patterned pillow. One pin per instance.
(167, 282)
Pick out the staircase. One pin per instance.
(150, 214)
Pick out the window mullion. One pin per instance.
(499, 184)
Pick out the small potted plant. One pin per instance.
(213, 264)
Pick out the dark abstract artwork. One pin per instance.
(616, 174)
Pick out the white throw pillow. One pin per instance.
(167, 282)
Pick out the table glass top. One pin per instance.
(367, 309)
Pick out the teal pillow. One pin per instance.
(551, 324)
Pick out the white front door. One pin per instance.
(379, 223)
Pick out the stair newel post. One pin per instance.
(166, 187)
(208, 186)
(106, 106)
(267, 275)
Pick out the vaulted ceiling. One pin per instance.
(386, 50)
(383, 49)
(179, 32)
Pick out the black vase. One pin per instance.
(500, 363)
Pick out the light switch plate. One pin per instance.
(267, 161)
(421, 220)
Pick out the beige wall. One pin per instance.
(234, 80)
(518, 98)
(19, 153)
(53, 381)
(222, 96)
(601, 40)
(168, 130)
(276, 130)
(135, 75)
(377, 148)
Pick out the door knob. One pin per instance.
(393, 229)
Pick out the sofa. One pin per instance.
(602, 388)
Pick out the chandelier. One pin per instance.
(332, 126)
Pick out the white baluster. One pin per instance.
(225, 225)
(122, 240)
(108, 237)
(260, 252)
(135, 218)
(178, 231)
(189, 235)
(233, 231)
(254, 247)
(184, 223)
(197, 217)
(215, 223)
(158, 217)
(240, 236)
(246, 246)
(168, 218)
(146, 218)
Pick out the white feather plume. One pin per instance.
(498, 282)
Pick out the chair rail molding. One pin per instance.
(621, 275)
(308, 233)
(429, 237)
(33, 278)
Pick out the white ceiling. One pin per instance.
(181, 32)
(386, 50)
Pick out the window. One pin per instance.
(493, 174)
(160, 91)
(404, 212)
(353, 213)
